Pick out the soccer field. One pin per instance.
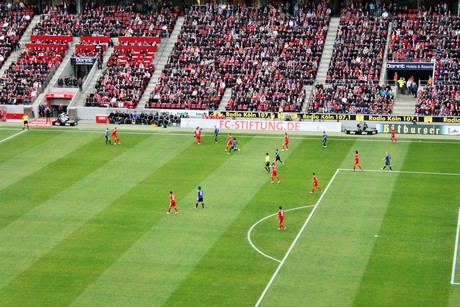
(83, 223)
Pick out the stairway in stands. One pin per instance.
(161, 59)
(24, 39)
(92, 84)
(326, 56)
(404, 105)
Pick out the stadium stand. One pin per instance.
(439, 100)
(352, 99)
(110, 21)
(122, 84)
(266, 56)
(14, 20)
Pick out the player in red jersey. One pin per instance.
(229, 141)
(281, 218)
(356, 163)
(172, 203)
(315, 184)
(286, 142)
(116, 140)
(197, 135)
(275, 173)
(392, 136)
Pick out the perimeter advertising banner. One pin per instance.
(410, 65)
(338, 117)
(260, 125)
(425, 129)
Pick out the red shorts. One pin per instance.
(275, 173)
(173, 204)
(315, 184)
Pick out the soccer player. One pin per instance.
(267, 163)
(315, 184)
(286, 142)
(197, 135)
(25, 121)
(106, 135)
(387, 161)
(392, 136)
(275, 173)
(278, 157)
(199, 198)
(356, 162)
(116, 140)
(234, 146)
(324, 139)
(281, 218)
(172, 203)
(216, 134)
(229, 141)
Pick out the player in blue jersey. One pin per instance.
(324, 139)
(278, 157)
(387, 161)
(234, 146)
(199, 198)
(106, 135)
(216, 134)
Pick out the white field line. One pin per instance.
(295, 240)
(12, 136)
(316, 206)
(261, 220)
(454, 264)
(401, 172)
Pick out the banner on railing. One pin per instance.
(83, 60)
(410, 65)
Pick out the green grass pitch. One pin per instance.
(83, 223)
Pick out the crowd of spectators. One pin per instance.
(106, 20)
(122, 83)
(430, 34)
(14, 19)
(265, 55)
(352, 99)
(163, 119)
(359, 47)
(24, 80)
(439, 100)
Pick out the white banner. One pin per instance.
(261, 125)
(450, 130)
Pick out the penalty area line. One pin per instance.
(454, 262)
(400, 172)
(260, 221)
(295, 240)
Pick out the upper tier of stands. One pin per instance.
(265, 55)
(14, 19)
(106, 21)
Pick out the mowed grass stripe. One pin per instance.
(338, 240)
(32, 150)
(160, 261)
(59, 170)
(68, 271)
(32, 236)
(412, 260)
